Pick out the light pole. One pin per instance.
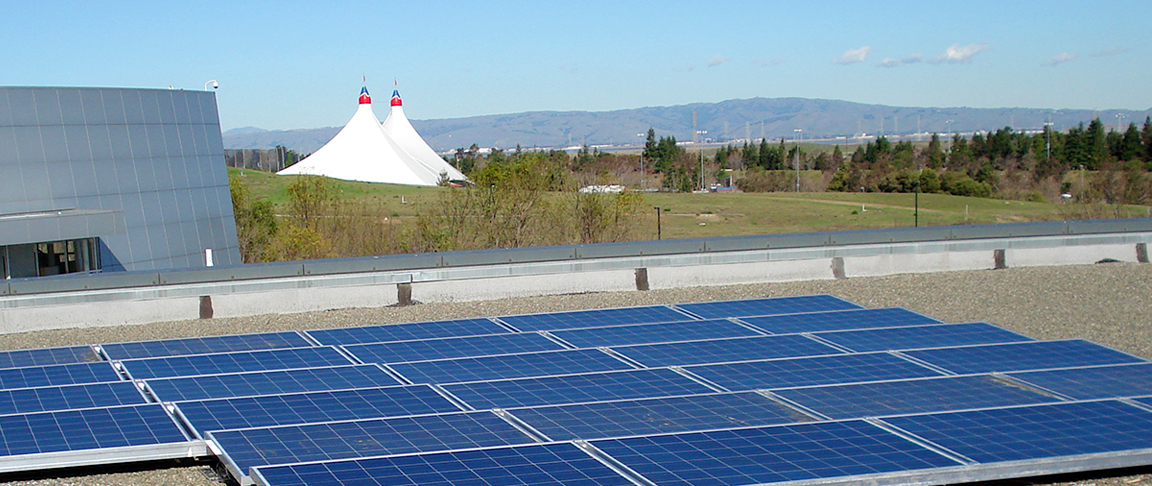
(1119, 119)
(213, 83)
(701, 149)
(917, 213)
(949, 122)
(657, 222)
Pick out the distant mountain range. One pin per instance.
(732, 120)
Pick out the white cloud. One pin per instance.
(1060, 58)
(853, 56)
(771, 62)
(717, 60)
(958, 55)
(890, 62)
(1111, 51)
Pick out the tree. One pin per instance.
(934, 153)
(650, 144)
(1146, 138)
(256, 225)
(1095, 144)
(1131, 146)
(308, 197)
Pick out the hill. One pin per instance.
(724, 121)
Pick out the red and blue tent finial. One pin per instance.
(396, 98)
(365, 99)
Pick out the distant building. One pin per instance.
(111, 179)
(273, 160)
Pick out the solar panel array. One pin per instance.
(771, 390)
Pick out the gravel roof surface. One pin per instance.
(1108, 303)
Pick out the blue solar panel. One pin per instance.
(725, 350)
(45, 399)
(592, 387)
(931, 336)
(768, 306)
(69, 374)
(1091, 383)
(594, 318)
(770, 454)
(326, 406)
(657, 416)
(248, 448)
(510, 366)
(536, 465)
(838, 320)
(781, 373)
(1042, 431)
(205, 345)
(269, 382)
(405, 332)
(92, 428)
(913, 396)
(209, 364)
(654, 333)
(401, 351)
(1036, 355)
(48, 356)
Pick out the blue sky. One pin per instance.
(284, 65)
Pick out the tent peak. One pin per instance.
(365, 98)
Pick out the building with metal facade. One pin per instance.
(111, 179)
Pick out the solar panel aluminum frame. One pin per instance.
(106, 456)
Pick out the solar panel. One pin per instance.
(538, 465)
(725, 350)
(325, 406)
(246, 448)
(657, 416)
(838, 320)
(768, 306)
(782, 373)
(590, 387)
(913, 396)
(55, 375)
(47, 356)
(92, 428)
(207, 364)
(405, 332)
(45, 399)
(594, 318)
(447, 348)
(931, 336)
(205, 345)
(1092, 383)
(269, 382)
(1034, 432)
(509, 366)
(1036, 355)
(821, 450)
(653, 333)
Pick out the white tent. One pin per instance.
(397, 127)
(361, 151)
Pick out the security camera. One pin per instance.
(213, 83)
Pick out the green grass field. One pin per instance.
(726, 214)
